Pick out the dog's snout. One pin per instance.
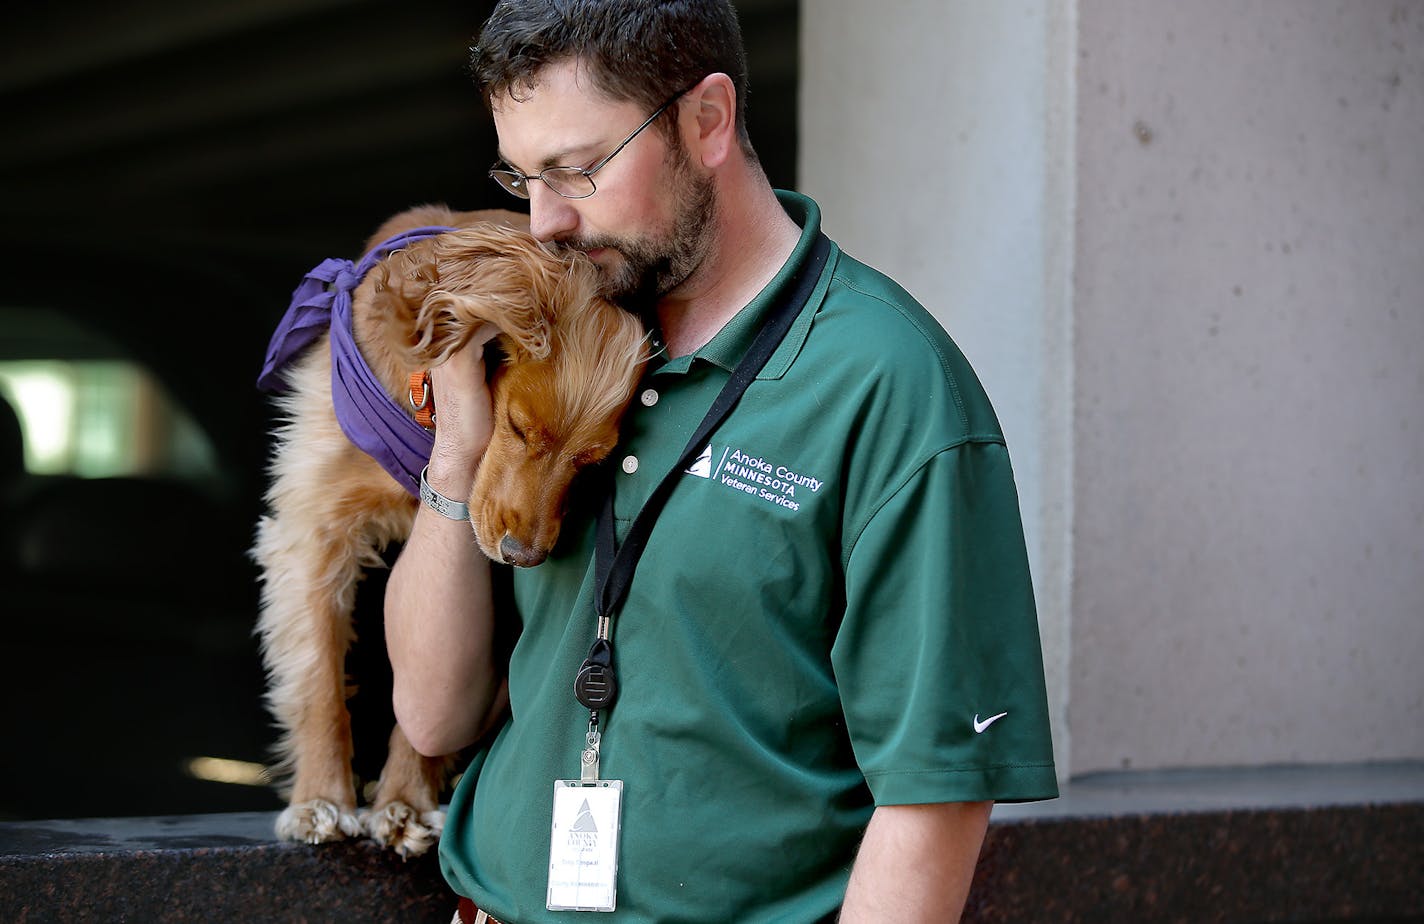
(518, 554)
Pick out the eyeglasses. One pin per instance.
(570, 182)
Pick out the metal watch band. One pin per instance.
(447, 508)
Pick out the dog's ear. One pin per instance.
(398, 284)
(388, 302)
(491, 274)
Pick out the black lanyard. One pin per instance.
(595, 686)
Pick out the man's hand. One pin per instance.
(463, 415)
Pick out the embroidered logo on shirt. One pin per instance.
(757, 477)
(980, 726)
(702, 468)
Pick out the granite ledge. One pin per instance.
(1315, 845)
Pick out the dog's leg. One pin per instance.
(405, 813)
(308, 593)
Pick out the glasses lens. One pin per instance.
(516, 184)
(569, 182)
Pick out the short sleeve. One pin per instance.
(938, 657)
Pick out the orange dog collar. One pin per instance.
(424, 405)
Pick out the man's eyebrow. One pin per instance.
(564, 158)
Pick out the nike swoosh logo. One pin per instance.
(980, 726)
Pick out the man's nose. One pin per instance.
(551, 216)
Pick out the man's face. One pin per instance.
(647, 226)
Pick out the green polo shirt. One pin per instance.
(832, 609)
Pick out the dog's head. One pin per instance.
(571, 361)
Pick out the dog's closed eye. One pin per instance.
(538, 440)
(590, 455)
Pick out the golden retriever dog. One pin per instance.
(570, 363)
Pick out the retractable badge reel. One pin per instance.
(596, 686)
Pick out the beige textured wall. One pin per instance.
(1216, 398)
(1249, 367)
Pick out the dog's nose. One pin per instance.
(518, 554)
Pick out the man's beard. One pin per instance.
(652, 267)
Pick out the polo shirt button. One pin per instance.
(630, 464)
(649, 398)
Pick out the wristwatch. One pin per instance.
(447, 508)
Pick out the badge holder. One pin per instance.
(583, 843)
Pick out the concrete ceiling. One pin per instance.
(268, 128)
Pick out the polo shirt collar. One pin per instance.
(728, 345)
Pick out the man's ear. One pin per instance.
(714, 109)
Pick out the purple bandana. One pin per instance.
(371, 420)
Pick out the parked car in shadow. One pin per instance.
(131, 487)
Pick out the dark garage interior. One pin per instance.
(170, 171)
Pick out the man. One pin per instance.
(827, 661)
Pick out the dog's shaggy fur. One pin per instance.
(571, 363)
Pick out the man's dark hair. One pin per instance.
(638, 50)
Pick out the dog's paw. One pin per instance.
(317, 822)
(403, 829)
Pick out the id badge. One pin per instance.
(583, 845)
